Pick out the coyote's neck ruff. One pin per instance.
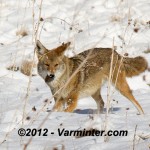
(83, 74)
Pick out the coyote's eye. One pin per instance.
(56, 65)
(47, 65)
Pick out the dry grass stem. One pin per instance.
(22, 32)
(26, 67)
(13, 68)
(134, 137)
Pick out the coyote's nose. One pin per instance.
(52, 76)
(49, 78)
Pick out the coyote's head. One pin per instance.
(51, 62)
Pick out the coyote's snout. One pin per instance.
(57, 70)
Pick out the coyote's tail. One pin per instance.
(134, 66)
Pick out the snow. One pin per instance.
(86, 24)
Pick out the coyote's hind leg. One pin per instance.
(123, 87)
(99, 101)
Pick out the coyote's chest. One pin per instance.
(58, 87)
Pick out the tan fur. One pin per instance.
(134, 66)
(89, 79)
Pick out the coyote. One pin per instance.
(83, 75)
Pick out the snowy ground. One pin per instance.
(86, 23)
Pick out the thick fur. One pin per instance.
(89, 78)
(134, 66)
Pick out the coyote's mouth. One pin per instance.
(49, 79)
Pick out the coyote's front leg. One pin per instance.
(59, 104)
(71, 102)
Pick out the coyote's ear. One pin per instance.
(61, 49)
(40, 48)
